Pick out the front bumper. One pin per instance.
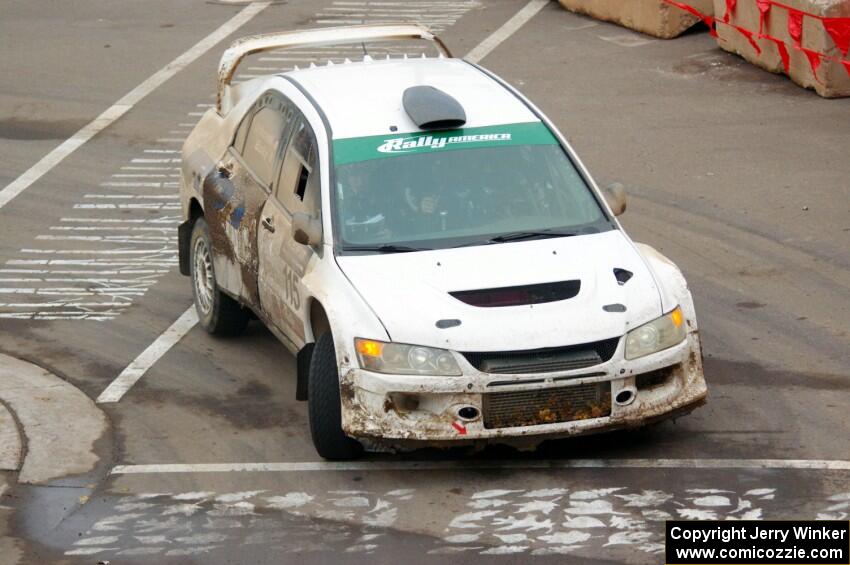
(404, 409)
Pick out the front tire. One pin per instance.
(324, 404)
(218, 314)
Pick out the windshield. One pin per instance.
(463, 187)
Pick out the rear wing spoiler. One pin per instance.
(245, 46)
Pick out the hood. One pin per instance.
(410, 292)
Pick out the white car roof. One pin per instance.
(365, 98)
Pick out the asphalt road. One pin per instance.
(737, 175)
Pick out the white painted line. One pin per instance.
(137, 282)
(129, 262)
(156, 239)
(119, 229)
(71, 291)
(740, 464)
(65, 316)
(508, 28)
(126, 103)
(127, 206)
(133, 184)
(140, 365)
(160, 220)
(135, 196)
(355, 22)
(148, 168)
(98, 273)
(143, 175)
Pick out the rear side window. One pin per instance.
(242, 133)
(265, 134)
(298, 185)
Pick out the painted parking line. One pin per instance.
(283, 467)
(126, 103)
(508, 28)
(140, 365)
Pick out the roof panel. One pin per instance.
(364, 98)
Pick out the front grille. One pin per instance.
(549, 360)
(547, 406)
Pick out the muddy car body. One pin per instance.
(431, 249)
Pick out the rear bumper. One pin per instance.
(401, 410)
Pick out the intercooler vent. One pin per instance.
(548, 360)
(653, 379)
(547, 406)
(519, 295)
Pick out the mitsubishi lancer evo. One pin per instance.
(430, 248)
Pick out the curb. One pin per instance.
(11, 447)
(59, 424)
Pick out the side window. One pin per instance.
(263, 139)
(298, 187)
(242, 132)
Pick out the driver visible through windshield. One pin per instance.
(458, 188)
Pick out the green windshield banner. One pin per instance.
(356, 149)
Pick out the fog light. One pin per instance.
(625, 397)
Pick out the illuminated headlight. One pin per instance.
(401, 359)
(661, 333)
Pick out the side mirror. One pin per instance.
(306, 229)
(615, 196)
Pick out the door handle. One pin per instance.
(267, 223)
(225, 169)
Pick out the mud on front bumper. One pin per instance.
(406, 410)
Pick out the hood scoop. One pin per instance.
(519, 295)
(431, 108)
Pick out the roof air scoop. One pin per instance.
(431, 108)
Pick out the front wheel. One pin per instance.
(324, 405)
(218, 314)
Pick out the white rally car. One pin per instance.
(426, 242)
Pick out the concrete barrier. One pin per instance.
(658, 18)
(805, 39)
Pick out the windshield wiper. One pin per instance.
(389, 248)
(519, 236)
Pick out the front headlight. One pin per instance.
(661, 333)
(398, 358)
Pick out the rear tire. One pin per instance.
(218, 314)
(324, 404)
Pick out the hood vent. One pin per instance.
(519, 295)
(622, 276)
(431, 108)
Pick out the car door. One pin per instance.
(235, 200)
(283, 261)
